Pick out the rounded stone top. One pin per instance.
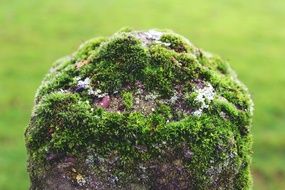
(140, 110)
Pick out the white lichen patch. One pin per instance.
(85, 82)
(153, 34)
(86, 85)
(215, 170)
(204, 96)
(149, 37)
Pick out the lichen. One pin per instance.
(141, 110)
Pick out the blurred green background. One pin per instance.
(250, 34)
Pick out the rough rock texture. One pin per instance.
(140, 110)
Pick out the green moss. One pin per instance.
(176, 42)
(168, 143)
(110, 76)
(191, 100)
(128, 100)
(215, 62)
(88, 48)
(165, 111)
(125, 51)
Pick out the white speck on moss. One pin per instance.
(174, 98)
(63, 91)
(102, 95)
(142, 167)
(139, 91)
(90, 160)
(223, 115)
(205, 95)
(113, 179)
(80, 180)
(151, 96)
(97, 91)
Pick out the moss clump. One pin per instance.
(140, 110)
(127, 100)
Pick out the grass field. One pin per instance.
(250, 34)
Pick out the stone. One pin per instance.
(140, 110)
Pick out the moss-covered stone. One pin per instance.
(140, 110)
